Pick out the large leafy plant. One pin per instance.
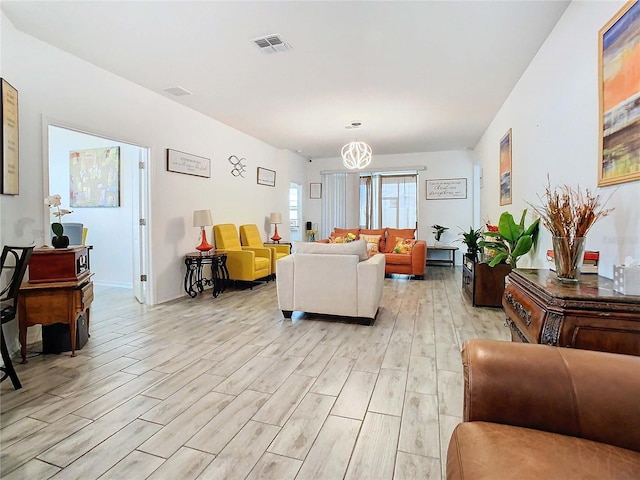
(512, 240)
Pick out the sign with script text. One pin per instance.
(446, 188)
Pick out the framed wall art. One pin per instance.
(10, 152)
(446, 188)
(94, 176)
(315, 190)
(181, 162)
(266, 177)
(619, 89)
(505, 169)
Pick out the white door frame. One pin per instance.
(142, 290)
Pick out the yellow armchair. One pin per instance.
(243, 264)
(250, 237)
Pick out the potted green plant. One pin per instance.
(471, 239)
(438, 230)
(512, 240)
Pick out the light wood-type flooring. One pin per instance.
(223, 388)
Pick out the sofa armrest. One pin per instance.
(419, 257)
(582, 393)
(279, 248)
(259, 251)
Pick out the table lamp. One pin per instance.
(202, 218)
(275, 218)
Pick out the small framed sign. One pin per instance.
(315, 190)
(446, 188)
(266, 177)
(186, 163)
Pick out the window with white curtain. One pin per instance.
(388, 200)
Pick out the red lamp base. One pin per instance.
(204, 245)
(276, 237)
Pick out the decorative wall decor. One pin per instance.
(505, 169)
(266, 177)
(10, 152)
(94, 174)
(619, 88)
(446, 188)
(181, 162)
(315, 190)
(238, 167)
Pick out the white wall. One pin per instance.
(54, 84)
(553, 111)
(455, 214)
(112, 254)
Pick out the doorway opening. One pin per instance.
(116, 229)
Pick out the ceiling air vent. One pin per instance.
(177, 91)
(271, 44)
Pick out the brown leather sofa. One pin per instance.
(411, 264)
(536, 411)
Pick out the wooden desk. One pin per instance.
(442, 248)
(587, 314)
(53, 302)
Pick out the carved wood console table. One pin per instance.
(588, 314)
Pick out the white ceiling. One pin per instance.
(420, 76)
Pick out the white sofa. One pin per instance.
(331, 279)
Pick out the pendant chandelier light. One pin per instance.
(356, 155)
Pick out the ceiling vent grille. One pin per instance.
(177, 91)
(271, 44)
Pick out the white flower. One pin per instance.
(53, 200)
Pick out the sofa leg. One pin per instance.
(418, 277)
(287, 313)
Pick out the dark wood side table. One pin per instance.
(482, 284)
(47, 303)
(451, 254)
(588, 314)
(195, 281)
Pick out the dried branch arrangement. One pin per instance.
(569, 212)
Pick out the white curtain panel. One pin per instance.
(334, 202)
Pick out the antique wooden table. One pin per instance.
(587, 314)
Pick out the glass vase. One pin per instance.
(568, 254)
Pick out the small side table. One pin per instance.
(451, 261)
(195, 281)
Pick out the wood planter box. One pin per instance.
(482, 284)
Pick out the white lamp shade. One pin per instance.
(202, 218)
(275, 218)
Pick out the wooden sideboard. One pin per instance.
(59, 290)
(588, 314)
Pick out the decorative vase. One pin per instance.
(60, 241)
(568, 254)
(437, 243)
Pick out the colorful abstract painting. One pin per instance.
(505, 169)
(619, 74)
(95, 177)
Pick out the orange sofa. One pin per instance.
(407, 264)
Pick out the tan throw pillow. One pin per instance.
(404, 246)
(373, 242)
